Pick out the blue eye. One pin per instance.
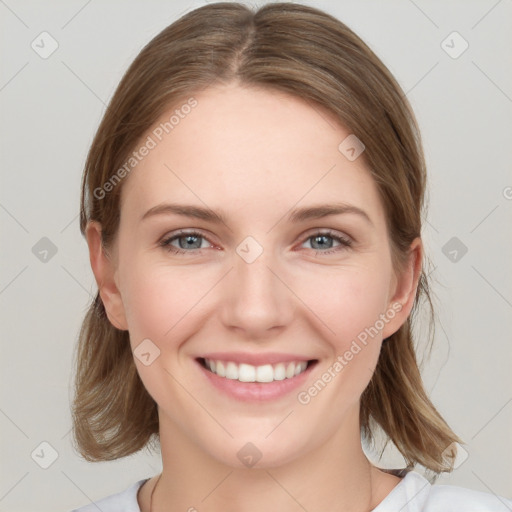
(191, 241)
(320, 238)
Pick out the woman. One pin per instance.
(252, 205)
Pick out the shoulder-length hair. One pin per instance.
(309, 54)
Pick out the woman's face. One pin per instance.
(279, 283)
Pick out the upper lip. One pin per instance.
(255, 359)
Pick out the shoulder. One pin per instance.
(453, 498)
(124, 501)
(416, 494)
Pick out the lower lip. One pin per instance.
(256, 391)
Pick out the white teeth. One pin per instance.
(246, 373)
(249, 373)
(219, 369)
(279, 372)
(299, 368)
(265, 373)
(231, 371)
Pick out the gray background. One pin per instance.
(51, 108)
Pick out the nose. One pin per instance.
(256, 300)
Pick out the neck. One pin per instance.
(336, 475)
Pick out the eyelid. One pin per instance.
(328, 231)
(173, 235)
(310, 232)
(345, 241)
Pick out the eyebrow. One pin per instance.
(295, 216)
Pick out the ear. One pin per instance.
(404, 289)
(104, 272)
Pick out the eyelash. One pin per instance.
(345, 243)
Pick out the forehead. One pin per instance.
(248, 151)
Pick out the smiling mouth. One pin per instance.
(248, 373)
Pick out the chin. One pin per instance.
(250, 451)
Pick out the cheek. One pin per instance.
(349, 305)
(163, 304)
(162, 301)
(158, 299)
(347, 301)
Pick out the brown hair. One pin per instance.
(309, 54)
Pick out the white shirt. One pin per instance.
(414, 493)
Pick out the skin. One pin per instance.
(255, 154)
